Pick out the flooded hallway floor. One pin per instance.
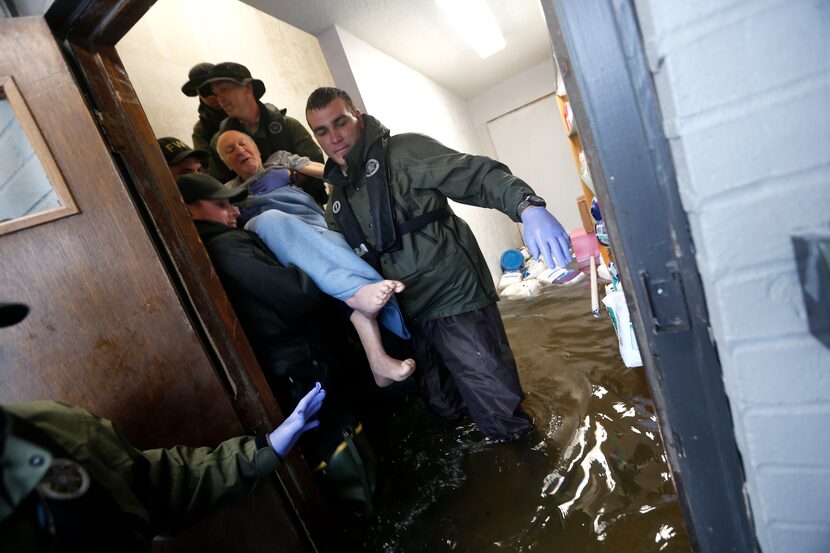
(591, 477)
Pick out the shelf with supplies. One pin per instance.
(581, 162)
(589, 240)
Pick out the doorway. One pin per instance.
(371, 65)
(144, 170)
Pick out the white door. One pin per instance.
(532, 142)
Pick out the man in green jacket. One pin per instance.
(239, 95)
(390, 200)
(211, 113)
(70, 482)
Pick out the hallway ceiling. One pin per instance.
(417, 33)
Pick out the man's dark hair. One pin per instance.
(325, 95)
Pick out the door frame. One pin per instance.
(599, 52)
(620, 125)
(87, 31)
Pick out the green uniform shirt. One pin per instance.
(206, 126)
(179, 486)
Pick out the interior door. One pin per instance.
(530, 140)
(107, 330)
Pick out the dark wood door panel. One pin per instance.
(106, 330)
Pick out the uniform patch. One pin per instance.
(335, 207)
(275, 127)
(66, 479)
(372, 167)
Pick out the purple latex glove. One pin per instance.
(283, 438)
(545, 236)
(269, 181)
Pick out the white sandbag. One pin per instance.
(508, 278)
(525, 289)
(535, 267)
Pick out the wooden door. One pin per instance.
(107, 329)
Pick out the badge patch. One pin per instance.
(372, 167)
(335, 207)
(66, 479)
(275, 127)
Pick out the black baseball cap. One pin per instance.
(201, 186)
(197, 75)
(12, 313)
(230, 71)
(176, 150)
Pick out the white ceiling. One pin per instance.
(417, 33)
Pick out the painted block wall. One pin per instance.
(405, 100)
(744, 89)
(175, 35)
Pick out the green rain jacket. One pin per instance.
(441, 264)
(159, 491)
(206, 126)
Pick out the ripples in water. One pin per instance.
(591, 476)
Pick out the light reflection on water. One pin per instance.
(590, 477)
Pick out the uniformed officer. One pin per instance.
(70, 482)
(181, 158)
(211, 113)
(239, 95)
(390, 200)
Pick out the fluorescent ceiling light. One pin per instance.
(474, 20)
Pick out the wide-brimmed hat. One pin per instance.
(197, 75)
(176, 150)
(12, 313)
(201, 186)
(234, 72)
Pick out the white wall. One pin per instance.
(174, 35)
(406, 101)
(744, 87)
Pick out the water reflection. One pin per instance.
(590, 477)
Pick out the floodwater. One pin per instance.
(591, 477)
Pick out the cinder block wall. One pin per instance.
(744, 88)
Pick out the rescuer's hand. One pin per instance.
(545, 236)
(286, 435)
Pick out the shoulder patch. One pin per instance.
(372, 167)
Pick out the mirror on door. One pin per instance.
(32, 189)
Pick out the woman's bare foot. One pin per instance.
(370, 299)
(389, 370)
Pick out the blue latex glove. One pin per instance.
(545, 236)
(283, 438)
(269, 181)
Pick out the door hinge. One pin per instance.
(666, 300)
